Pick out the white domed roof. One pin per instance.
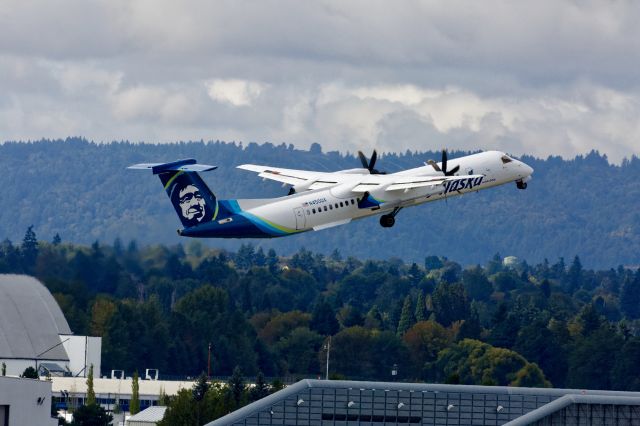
(30, 320)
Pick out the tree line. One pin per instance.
(566, 209)
(502, 323)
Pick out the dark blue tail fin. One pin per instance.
(191, 197)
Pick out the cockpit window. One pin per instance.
(506, 159)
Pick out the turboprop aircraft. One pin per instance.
(320, 200)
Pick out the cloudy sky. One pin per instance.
(537, 77)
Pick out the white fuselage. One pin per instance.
(336, 205)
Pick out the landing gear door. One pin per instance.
(300, 217)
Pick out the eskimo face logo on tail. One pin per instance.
(192, 203)
(461, 184)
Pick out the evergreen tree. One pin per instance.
(236, 389)
(259, 258)
(91, 394)
(323, 319)
(134, 404)
(574, 275)
(261, 388)
(335, 255)
(630, 297)
(56, 240)
(545, 288)
(450, 303)
(244, 256)
(432, 262)
(476, 283)
(200, 387)
(590, 319)
(406, 316)
(414, 273)
(272, 261)
(420, 314)
(29, 248)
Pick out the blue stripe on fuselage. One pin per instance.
(242, 225)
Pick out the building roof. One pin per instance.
(31, 321)
(152, 414)
(563, 402)
(554, 399)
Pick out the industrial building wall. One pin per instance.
(28, 401)
(83, 351)
(15, 367)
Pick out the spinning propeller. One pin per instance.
(368, 164)
(444, 165)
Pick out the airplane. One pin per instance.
(321, 200)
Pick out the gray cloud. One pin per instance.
(549, 77)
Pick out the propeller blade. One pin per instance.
(372, 162)
(363, 160)
(453, 171)
(444, 161)
(434, 165)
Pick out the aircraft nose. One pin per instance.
(528, 168)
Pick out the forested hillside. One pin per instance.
(82, 191)
(503, 323)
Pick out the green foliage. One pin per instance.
(406, 316)
(29, 373)
(630, 297)
(260, 388)
(424, 341)
(91, 415)
(134, 404)
(476, 362)
(29, 248)
(200, 387)
(476, 283)
(160, 306)
(450, 303)
(323, 319)
(420, 313)
(91, 394)
(236, 392)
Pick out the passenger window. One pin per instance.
(325, 208)
(352, 202)
(314, 211)
(341, 204)
(336, 205)
(330, 207)
(308, 212)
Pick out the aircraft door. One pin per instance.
(300, 217)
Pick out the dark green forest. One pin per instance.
(83, 191)
(507, 322)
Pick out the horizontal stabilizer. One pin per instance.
(187, 165)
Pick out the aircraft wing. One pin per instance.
(410, 182)
(405, 183)
(305, 179)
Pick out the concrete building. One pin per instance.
(348, 403)
(34, 332)
(71, 392)
(25, 402)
